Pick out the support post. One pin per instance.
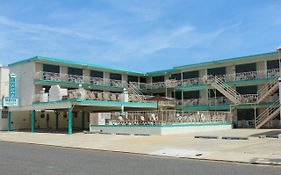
(69, 114)
(33, 121)
(83, 120)
(57, 121)
(122, 109)
(9, 121)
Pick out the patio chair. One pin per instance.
(121, 120)
(99, 96)
(106, 96)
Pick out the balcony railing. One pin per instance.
(91, 95)
(78, 79)
(252, 75)
(201, 102)
(249, 98)
(167, 117)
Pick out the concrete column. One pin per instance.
(33, 121)
(83, 120)
(9, 121)
(69, 116)
(122, 109)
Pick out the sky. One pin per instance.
(144, 35)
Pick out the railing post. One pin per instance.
(69, 116)
(32, 120)
(9, 121)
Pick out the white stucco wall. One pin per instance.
(25, 87)
(150, 130)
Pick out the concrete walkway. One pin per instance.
(254, 150)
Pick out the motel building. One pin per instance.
(42, 94)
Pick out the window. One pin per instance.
(191, 95)
(4, 114)
(75, 71)
(192, 74)
(215, 93)
(142, 79)
(51, 68)
(158, 79)
(216, 71)
(114, 76)
(133, 78)
(247, 89)
(246, 114)
(245, 67)
(273, 64)
(94, 73)
(178, 95)
(176, 76)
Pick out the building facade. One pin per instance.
(58, 94)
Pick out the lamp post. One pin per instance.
(279, 80)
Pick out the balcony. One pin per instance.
(164, 117)
(252, 75)
(59, 77)
(203, 102)
(90, 95)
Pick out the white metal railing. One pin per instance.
(198, 102)
(251, 75)
(189, 102)
(94, 95)
(268, 113)
(249, 98)
(224, 88)
(218, 101)
(268, 88)
(168, 117)
(78, 79)
(157, 85)
(273, 72)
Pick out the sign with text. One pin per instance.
(7, 101)
(12, 86)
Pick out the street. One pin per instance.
(33, 159)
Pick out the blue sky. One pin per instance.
(143, 35)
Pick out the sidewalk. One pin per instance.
(254, 150)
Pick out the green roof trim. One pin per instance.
(225, 60)
(75, 63)
(160, 71)
(176, 68)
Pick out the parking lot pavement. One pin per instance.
(254, 150)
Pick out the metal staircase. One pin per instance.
(225, 89)
(270, 113)
(134, 92)
(268, 89)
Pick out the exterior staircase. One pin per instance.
(225, 89)
(268, 89)
(134, 91)
(270, 113)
